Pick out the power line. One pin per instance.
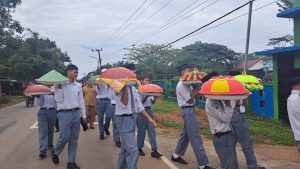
(156, 12)
(172, 19)
(119, 28)
(237, 17)
(181, 20)
(236, 9)
(144, 10)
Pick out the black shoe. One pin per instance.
(179, 160)
(156, 154)
(208, 167)
(141, 152)
(92, 127)
(72, 166)
(55, 158)
(118, 144)
(259, 167)
(42, 154)
(107, 132)
(101, 137)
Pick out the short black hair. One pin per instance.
(294, 81)
(71, 67)
(145, 77)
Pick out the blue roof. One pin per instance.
(280, 51)
(290, 13)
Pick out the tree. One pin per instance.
(152, 59)
(36, 57)
(207, 56)
(8, 26)
(286, 40)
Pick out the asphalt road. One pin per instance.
(19, 148)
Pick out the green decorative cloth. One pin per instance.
(52, 77)
(250, 82)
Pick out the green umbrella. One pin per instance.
(52, 77)
(92, 79)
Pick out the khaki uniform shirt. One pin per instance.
(89, 95)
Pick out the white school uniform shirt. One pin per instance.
(111, 95)
(183, 93)
(122, 109)
(102, 91)
(46, 101)
(219, 116)
(70, 97)
(148, 102)
(293, 107)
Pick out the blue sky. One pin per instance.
(78, 25)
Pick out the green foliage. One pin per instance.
(170, 124)
(4, 100)
(152, 59)
(166, 107)
(284, 5)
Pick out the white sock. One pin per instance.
(202, 166)
(175, 155)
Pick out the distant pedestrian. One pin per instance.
(89, 93)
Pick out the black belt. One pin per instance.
(50, 108)
(222, 133)
(104, 98)
(186, 107)
(68, 110)
(148, 107)
(125, 115)
(113, 104)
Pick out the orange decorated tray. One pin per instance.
(193, 77)
(37, 90)
(151, 90)
(224, 88)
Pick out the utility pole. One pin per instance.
(248, 34)
(98, 50)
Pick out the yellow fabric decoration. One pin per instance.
(118, 84)
(220, 86)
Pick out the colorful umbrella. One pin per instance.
(118, 77)
(224, 88)
(37, 90)
(193, 77)
(118, 73)
(52, 77)
(251, 82)
(151, 90)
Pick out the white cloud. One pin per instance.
(91, 22)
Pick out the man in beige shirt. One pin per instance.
(89, 93)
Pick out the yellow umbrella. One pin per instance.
(251, 82)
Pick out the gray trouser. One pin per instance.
(69, 124)
(103, 106)
(116, 134)
(128, 155)
(191, 133)
(240, 127)
(225, 148)
(46, 122)
(144, 125)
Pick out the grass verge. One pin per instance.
(10, 100)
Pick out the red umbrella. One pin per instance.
(224, 87)
(37, 90)
(118, 73)
(151, 88)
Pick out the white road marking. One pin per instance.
(34, 126)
